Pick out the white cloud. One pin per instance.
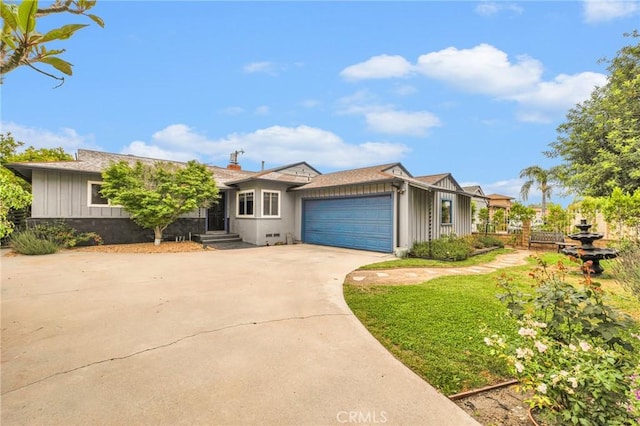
(181, 135)
(262, 110)
(395, 122)
(278, 144)
(509, 187)
(490, 8)
(386, 118)
(310, 103)
(382, 66)
(65, 137)
(404, 90)
(481, 69)
(361, 102)
(233, 110)
(270, 68)
(142, 149)
(261, 67)
(549, 97)
(607, 10)
(486, 70)
(275, 145)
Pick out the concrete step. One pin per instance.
(216, 238)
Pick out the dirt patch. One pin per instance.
(497, 407)
(165, 247)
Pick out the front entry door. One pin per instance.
(216, 214)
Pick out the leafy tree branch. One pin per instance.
(21, 44)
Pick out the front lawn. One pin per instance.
(435, 328)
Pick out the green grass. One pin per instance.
(412, 262)
(436, 328)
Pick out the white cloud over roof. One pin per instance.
(69, 139)
(276, 145)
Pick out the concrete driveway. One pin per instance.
(242, 337)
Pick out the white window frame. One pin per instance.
(270, 191)
(249, 191)
(90, 184)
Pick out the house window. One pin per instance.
(94, 197)
(447, 212)
(245, 203)
(271, 203)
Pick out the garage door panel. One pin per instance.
(355, 222)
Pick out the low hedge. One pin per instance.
(453, 248)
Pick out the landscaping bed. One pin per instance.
(165, 247)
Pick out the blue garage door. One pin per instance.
(364, 223)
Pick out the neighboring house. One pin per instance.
(481, 201)
(381, 208)
(499, 202)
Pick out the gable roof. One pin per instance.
(352, 177)
(432, 179)
(296, 173)
(89, 161)
(300, 175)
(500, 197)
(439, 180)
(474, 189)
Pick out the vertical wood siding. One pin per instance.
(64, 195)
(420, 205)
(426, 215)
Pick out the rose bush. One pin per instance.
(574, 354)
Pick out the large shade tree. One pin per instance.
(600, 140)
(542, 179)
(156, 195)
(15, 193)
(22, 45)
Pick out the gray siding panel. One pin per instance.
(64, 195)
(260, 230)
(420, 203)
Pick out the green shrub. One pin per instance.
(449, 247)
(474, 241)
(490, 241)
(64, 235)
(28, 242)
(626, 268)
(420, 249)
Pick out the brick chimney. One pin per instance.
(233, 160)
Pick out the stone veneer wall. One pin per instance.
(126, 231)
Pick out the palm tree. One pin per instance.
(541, 177)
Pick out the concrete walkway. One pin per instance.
(417, 275)
(257, 336)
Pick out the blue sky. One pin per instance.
(476, 89)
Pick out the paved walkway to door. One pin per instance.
(257, 336)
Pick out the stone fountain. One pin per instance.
(587, 251)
